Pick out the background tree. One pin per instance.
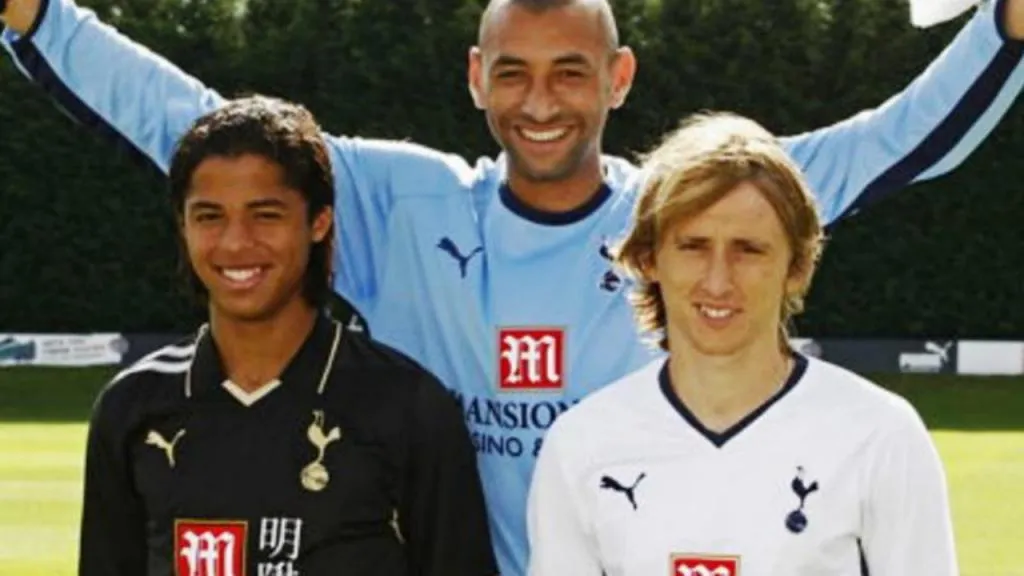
(87, 235)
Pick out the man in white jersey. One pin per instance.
(494, 274)
(735, 455)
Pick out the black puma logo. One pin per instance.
(452, 250)
(609, 483)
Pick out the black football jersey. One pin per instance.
(355, 462)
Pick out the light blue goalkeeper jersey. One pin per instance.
(518, 312)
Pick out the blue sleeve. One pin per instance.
(923, 132)
(110, 84)
(139, 100)
(370, 177)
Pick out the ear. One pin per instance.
(648, 267)
(476, 77)
(798, 279)
(623, 70)
(322, 224)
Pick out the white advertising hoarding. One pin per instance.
(61, 349)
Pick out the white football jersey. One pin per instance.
(833, 476)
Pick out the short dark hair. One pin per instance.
(605, 12)
(282, 132)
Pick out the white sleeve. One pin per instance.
(559, 534)
(907, 524)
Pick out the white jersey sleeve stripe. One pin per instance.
(154, 366)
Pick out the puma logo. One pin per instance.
(609, 483)
(155, 439)
(452, 250)
(354, 325)
(396, 526)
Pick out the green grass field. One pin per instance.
(978, 424)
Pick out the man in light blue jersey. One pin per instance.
(495, 274)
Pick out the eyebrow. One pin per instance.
(510, 60)
(266, 203)
(743, 240)
(573, 58)
(254, 205)
(759, 244)
(202, 205)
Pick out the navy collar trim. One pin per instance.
(521, 209)
(719, 439)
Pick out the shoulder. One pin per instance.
(169, 362)
(610, 409)
(171, 359)
(620, 171)
(862, 400)
(160, 373)
(410, 169)
(379, 376)
(388, 368)
(626, 181)
(363, 352)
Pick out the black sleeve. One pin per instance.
(113, 531)
(443, 516)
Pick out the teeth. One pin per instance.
(240, 274)
(716, 313)
(545, 135)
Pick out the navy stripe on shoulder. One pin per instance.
(43, 75)
(949, 132)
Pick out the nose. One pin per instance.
(717, 280)
(540, 103)
(237, 235)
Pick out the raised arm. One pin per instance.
(137, 98)
(930, 127)
(102, 78)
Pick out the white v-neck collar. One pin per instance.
(249, 398)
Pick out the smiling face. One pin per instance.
(724, 240)
(547, 78)
(724, 274)
(248, 236)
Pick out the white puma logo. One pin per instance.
(354, 325)
(155, 439)
(396, 526)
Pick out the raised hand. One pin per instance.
(18, 15)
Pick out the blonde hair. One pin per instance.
(692, 169)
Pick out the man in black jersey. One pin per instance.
(275, 441)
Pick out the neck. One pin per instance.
(561, 195)
(722, 390)
(255, 352)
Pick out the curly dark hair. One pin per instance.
(282, 132)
